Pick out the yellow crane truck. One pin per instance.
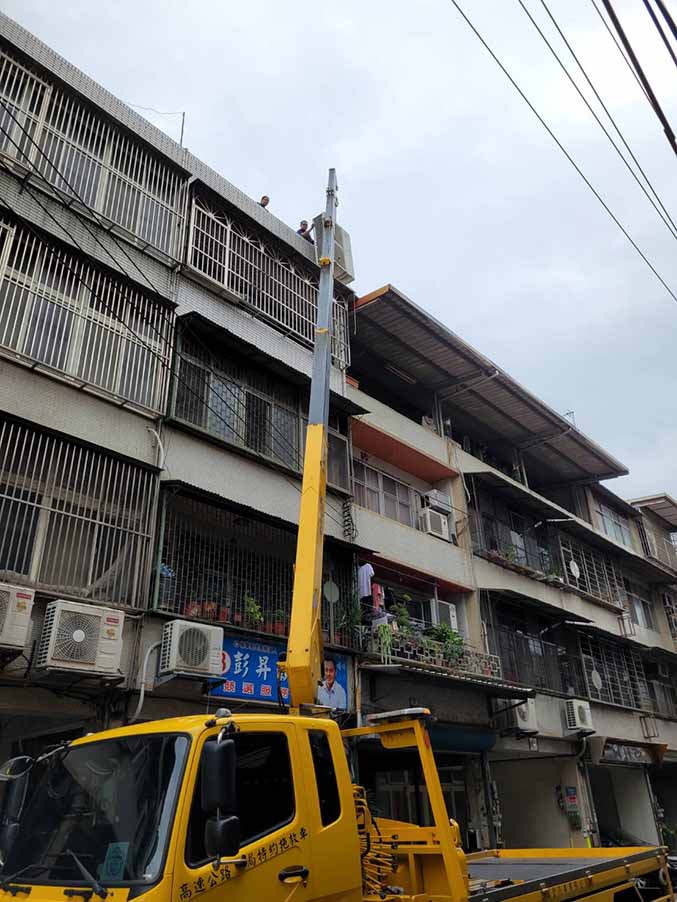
(262, 807)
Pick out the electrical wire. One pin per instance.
(653, 100)
(564, 150)
(172, 348)
(668, 18)
(161, 359)
(671, 226)
(619, 48)
(659, 29)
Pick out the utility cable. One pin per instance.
(653, 100)
(117, 243)
(668, 17)
(164, 363)
(672, 226)
(564, 150)
(659, 29)
(619, 48)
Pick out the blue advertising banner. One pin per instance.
(250, 673)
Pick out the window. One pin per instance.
(614, 524)
(325, 777)
(283, 292)
(641, 607)
(385, 495)
(76, 519)
(591, 572)
(112, 336)
(613, 673)
(265, 792)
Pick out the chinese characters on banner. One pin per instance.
(250, 673)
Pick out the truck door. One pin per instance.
(273, 812)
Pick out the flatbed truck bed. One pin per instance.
(561, 873)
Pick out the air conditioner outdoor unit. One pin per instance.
(438, 501)
(80, 637)
(344, 270)
(16, 604)
(578, 716)
(519, 717)
(434, 523)
(191, 648)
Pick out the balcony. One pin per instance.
(416, 649)
(252, 273)
(529, 660)
(516, 550)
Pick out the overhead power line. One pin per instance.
(566, 153)
(660, 210)
(659, 29)
(619, 48)
(653, 100)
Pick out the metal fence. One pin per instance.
(528, 659)
(659, 546)
(589, 571)
(220, 565)
(73, 520)
(112, 337)
(613, 673)
(78, 151)
(520, 548)
(420, 650)
(249, 407)
(277, 288)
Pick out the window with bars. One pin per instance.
(249, 407)
(73, 519)
(614, 524)
(106, 335)
(385, 495)
(614, 673)
(670, 608)
(80, 152)
(640, 605)
(589, 571)
(279, 289)
(221, 565)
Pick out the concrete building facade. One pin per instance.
(156, 331)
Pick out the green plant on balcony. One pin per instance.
(384, 642)
(509, 553)
(279, 622)
(253, 613)
(350, 622)
(452, 642)
(401, 614)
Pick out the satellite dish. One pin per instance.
(331, 591)
(574, 569)
(596, 679)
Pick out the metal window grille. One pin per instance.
(590, 572)
(670, 608)
(220, 565)
(527, 659)
(248, 407)
(285, 294)
(112, 337)
(516, 543)
(658, 545)
(113, 174)
(614, 673)
(73, 520)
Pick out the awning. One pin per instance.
(664, 506)
(451, 737)
(488, 686)
(386, 447)
(398, 343)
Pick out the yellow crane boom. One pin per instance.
(303, 663)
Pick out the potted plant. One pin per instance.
(384, 641)
(349, 624)
(193, 609)
(209, 610)
(253, 614)
(452, 642)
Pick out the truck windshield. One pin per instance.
(111, 802)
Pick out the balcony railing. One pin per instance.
(81, 153)
(660, 548)
(419, 650)
(528, 659)
(520, 551)
(278, 289)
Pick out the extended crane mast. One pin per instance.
(303, 663)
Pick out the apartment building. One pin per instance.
(156, 331)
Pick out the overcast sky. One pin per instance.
(450, 188)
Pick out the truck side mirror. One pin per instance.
(219, 798)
